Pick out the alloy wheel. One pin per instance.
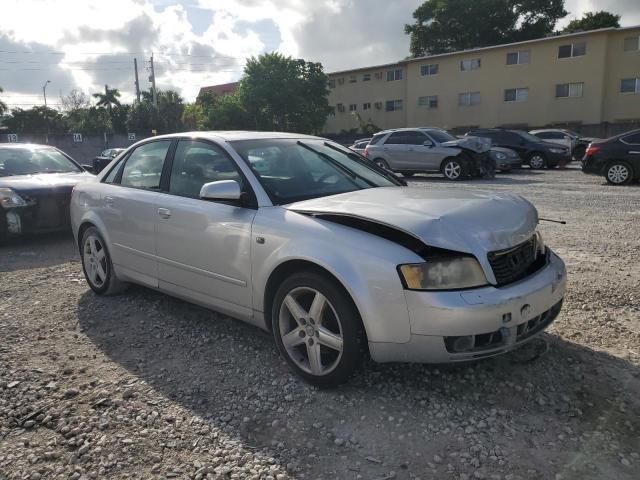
(452, 170)
(536, 161)
(95, 261)
(618, 173)
(311, 331)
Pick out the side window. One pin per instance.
(633, 139)
(397, 138)
(415, 138)
(111, 177)
(143, 168)
(196, 163)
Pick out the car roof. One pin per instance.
(25, 145)
(407, 129)
(236, 135)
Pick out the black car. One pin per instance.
(535, 152)
(616, 158)
(104, 159)
(35, 188)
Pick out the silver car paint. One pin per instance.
(254, 243)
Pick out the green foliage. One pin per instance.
(593, 21)
(450, 25)
(35, 120)
(109, 98)
(3, 106)
(92, 120)
(366, 127)
(193, 117)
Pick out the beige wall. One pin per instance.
(601, 69)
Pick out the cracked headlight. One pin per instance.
(9, 198)
(444, 273)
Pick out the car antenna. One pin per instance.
(561, 222)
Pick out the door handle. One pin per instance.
(108, 201)
(164, 212)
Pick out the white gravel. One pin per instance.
(145, 386)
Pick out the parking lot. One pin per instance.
(141, 385)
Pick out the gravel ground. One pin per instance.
(145, 386)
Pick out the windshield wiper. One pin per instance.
(336, 163)
(364, 161)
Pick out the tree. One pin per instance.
(92, 120)
(109, 98)
(450, 25)
(74, 100)
(193, 117)
(3, 106)
(593, 21)
(170, 108)
(36, 120)
(282, 93)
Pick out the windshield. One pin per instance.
(440, 136)
(27, 161)
(291, 170)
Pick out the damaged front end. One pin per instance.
(476, 151)
(33, 212)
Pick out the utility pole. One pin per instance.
(152, 79)
(135, 69)
(46, 115)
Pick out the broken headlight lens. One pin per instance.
(540, 246)
(444, 273)
(9, 198)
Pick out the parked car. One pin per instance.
(105, 157)
(576, 143)
(616, 158)
(425, 150)
(35, 188)
(505, 159)
(360, 145)
(306, 239)
(535, 152)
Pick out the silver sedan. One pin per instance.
(306, 239)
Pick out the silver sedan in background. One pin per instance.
(308, 240)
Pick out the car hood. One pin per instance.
(476, 144)
(465, 221)
(45, 181)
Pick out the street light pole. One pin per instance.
(46, 117)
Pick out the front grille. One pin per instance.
(516, 263)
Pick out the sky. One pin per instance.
(85, 44)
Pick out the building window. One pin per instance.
(366, 106)
(469, 98)
(340, 107)
(430, 69)
(572, 50)
(566, 90)
(518, 58)
(366, 77)
(353, 107)
(332, 83)
(394, 75)
(516, 95)
(353, 79)
(429, 101)
(341, 81)
(394, 105)
(631, 44)
(470, 64)
(630, 85)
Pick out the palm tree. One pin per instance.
(3, 106)
(109, 98)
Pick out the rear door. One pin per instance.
(395, 151)
(204, 247)
(632, 144)
(131, 194)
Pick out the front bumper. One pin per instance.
(40, 215)
(485, 322)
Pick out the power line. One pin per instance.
(166, 54)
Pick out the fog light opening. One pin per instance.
(14, 225)
(460, 344)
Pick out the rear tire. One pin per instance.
(382, 163)
(96, 264)
(454, 169)
(317, 329)
(619, 172)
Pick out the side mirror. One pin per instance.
(221, 190)
(89, 168)
(428, 143)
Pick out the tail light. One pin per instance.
(591, 149)
(366, 152)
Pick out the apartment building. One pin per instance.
(581, 78)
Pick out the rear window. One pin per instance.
(376, 138)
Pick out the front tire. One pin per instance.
(453, 169)
(96, 264)
(537, 161)
(317, 329)
(382, 163)
(619, 173)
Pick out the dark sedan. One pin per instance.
(616, 158)
(35, 188)
(104, 159)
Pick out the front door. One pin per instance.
(395, 151)
(204, 247)
(421, 157)
(129, 203)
